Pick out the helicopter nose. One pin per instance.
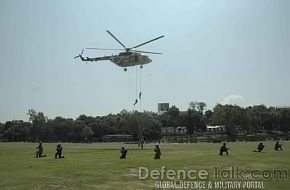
(149, 60)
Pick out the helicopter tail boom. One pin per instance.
(95, 58)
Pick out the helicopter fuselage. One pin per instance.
(128, 59)
(124, 59)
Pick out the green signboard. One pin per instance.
(163, 107)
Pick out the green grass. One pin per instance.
(97, 166)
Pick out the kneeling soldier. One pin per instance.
(157, 152)
(123, 153)
(260, 147)
(39, 153)
(58, 152)
(224, 149)
(278, 146)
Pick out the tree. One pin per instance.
(87, 132)
(2, 127)
(208, 117)
(62, 128)
(38, 122)
(76, 131)
(255, 116)
(197, 106)
(284, 119)
(173, 113)
(233, 117)
(99, 129)
(194, 121)
(150, 126)
(16, 130)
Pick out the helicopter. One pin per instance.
(127, 58)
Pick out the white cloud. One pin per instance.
(234, 100)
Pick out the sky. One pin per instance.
(228, 52)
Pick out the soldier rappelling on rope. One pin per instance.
(136, 101)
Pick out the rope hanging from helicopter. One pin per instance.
(136, 89)
(138, 96)
(138, 99)
(140, 89)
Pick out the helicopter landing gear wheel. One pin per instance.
(125, 69)
(141, 66)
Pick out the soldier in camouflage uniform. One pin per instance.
(123, 152)
(278, 146)
(58, 152)
(157, 152)
(39, 152)
(224, 149)
(260, 147)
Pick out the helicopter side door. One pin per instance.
(136, 58)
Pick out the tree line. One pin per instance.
(236, 119)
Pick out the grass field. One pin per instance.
(97, 166)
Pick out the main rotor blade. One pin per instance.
(116, 39)
(147, 52)
(146, 42)
(105, 49)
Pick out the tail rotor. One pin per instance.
(80, 55)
